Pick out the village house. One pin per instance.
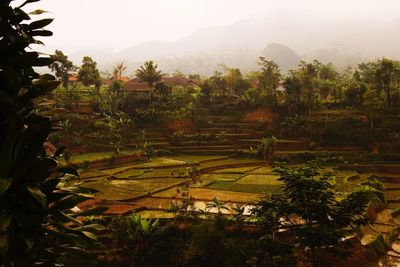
(136, 85)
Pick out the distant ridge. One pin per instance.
(284, 39)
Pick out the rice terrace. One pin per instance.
(270, 141)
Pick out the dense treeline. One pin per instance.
(363, 99)
(372, 87)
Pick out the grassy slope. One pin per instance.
(91, 157)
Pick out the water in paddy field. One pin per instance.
(201, 205)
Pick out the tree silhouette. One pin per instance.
(62, 67)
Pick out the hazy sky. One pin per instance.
(122, 23)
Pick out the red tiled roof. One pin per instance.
(135, 86)
(124, 79)
(72, 78)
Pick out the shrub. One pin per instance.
(344, 132)
(266, 148)
(176, 138)
(314, 215)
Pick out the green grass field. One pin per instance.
(129, 174)
(148, 185)
(111, 193)
(92, 157)
(91, 174)
(169, 172)
(158, 163)
(111, 171)
(262, 170)
(257, 179)
(245, 188)
(197, 158)
(228, 162)
(239, 170)
(228, 177)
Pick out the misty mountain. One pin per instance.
(284, 39)
(282, 55)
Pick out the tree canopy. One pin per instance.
(88, 73)
(62, 67)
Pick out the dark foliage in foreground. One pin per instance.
(215, 241)
(36, 224)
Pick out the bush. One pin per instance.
(145, 116)
(176, 138)
(202, 243)
(296, 157)
(347, 131)
(100, 125)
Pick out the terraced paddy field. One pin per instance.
(155, 183)
(150, 187)
(98, 156)
(206, 194)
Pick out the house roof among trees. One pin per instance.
(136, 86)
(180, 81)
(124, 79)
(72, 78)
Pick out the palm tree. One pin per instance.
(148, 73)
(119, 69)
(218, 204)
(267, 147)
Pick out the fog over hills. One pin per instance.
(285, 39)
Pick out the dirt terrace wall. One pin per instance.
(387, 148)
(261, 115)
(291, 146)
(187, 126)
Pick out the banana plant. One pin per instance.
(142, 226)
(238, 215)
